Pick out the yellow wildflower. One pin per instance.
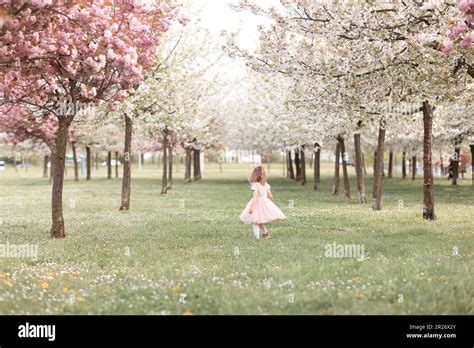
(177, 288)
(8, 282)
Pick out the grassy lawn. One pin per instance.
(188, 252)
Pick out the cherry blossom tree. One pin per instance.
(176, 102)
(57, 57)
(341, 52)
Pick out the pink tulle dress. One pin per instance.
(264, 210)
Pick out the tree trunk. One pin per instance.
(45, 166)
(378, 176)
(428, 187)
(88, 162)
(196, 164)
(96, 160)
(413, 167)
(127, 168)
(375, 161)
(199, 165)
(284, 165)
(404, 165)
(116, 164)
(361, 196)
(269, 159)
(74, 158)
(142, 158)
(303, 165)
(297, 165)
(317, 167)
(58, 163)
(472, 164)
(457, 151)
(170, 167)
(335, 186)
(164, 178)
(390, 165)
(363, 164)
(188, 163)
(291, 171)
(109, 164)
(441, 164)
(394, 164)
(342, 147)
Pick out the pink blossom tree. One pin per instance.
(20, 125)
(462, 30)
(60, 57)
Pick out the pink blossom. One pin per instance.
(466, 6)
(466, 42)
(107, 34)
(92, 46)
(111, 54)
(77, 47)
(20, 125)
(460, 28)
(470, 18)
(87, 92)
(448, 47)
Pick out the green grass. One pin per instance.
(161, 257)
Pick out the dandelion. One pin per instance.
(176, 288)
(44, 285)
(8, 282)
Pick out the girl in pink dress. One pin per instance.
(260, 210)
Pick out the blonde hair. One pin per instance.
(258, 175)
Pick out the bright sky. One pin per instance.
(217, 16)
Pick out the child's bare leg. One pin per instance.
(256, 231)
